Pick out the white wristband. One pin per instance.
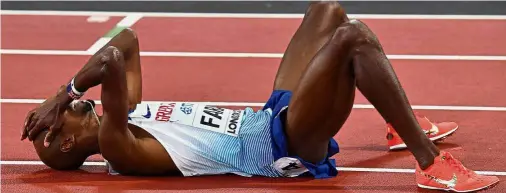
(73, 92)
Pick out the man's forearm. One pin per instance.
(91, 73)
(89, 76)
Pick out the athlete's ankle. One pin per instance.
(425, 164)
(427, 160)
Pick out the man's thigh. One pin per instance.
(319, 23)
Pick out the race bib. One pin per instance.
(207, 117)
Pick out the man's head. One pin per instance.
(77, 140)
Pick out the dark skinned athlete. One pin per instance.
(328, 57)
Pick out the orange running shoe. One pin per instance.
(449, 174)
(435, 131)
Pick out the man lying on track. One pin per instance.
(328, 57)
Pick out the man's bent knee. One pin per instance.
(128, 35)
(125, 40)
(350, 34)
(328, 6)
(330, 9)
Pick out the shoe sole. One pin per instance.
(433, 139)
(451, 189)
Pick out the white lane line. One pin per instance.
(248, 15)
(128, 21)
(444, 57)
(395, 170)
(41, 163)
(101, 42)
(250, 104)
(238, 104)
(241, 55)
(347, 169)
(213, 54)
(46, 52)
(98, 19)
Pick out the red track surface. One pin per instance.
(35, 178)
(52, 32)
(427, 82)
(272, 36)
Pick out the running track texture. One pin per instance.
(452, 68)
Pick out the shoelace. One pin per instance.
(458, 165)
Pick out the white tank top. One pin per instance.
(207, 140)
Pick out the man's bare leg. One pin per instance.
(318, 25)
(320, 21)
(323, 99)
(320, 104)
